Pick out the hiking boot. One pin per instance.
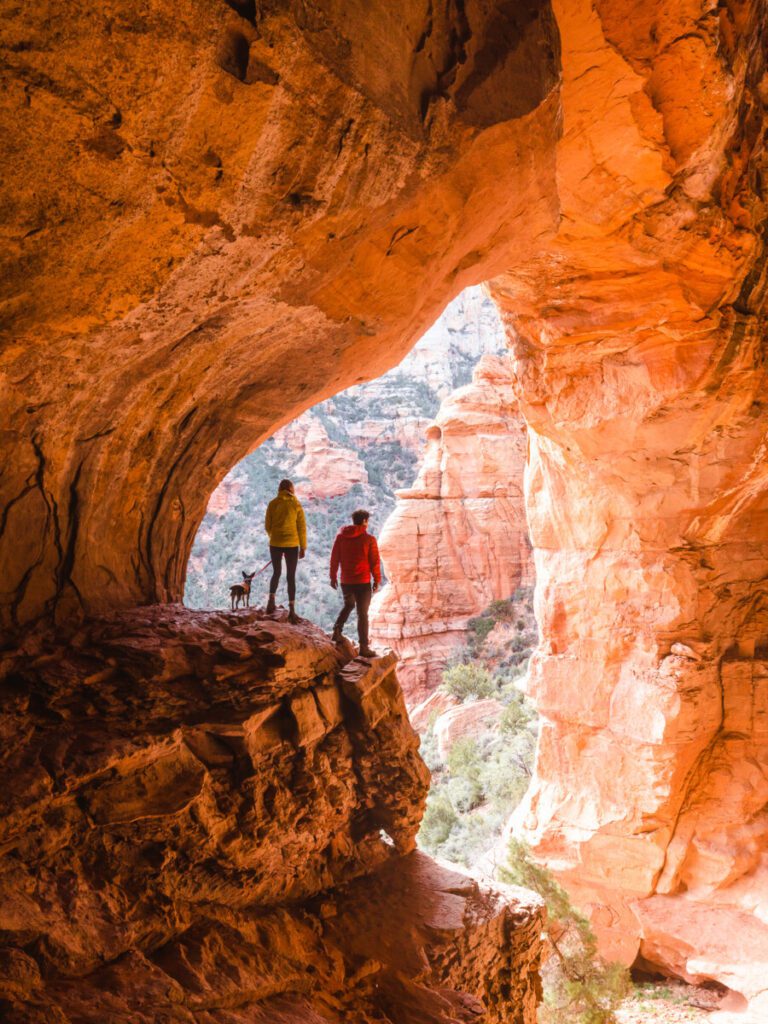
(293, 618)
(271, 605)
(337, 636)
(367, 652)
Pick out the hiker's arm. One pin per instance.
(301, 526)
(375, 563)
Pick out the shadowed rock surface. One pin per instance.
(216, 217)
(183, 789)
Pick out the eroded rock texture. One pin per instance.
(185, 796)
(458, 539)
(216, 215)
(640, 360)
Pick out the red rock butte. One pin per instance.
(217, 214)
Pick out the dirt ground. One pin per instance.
(668, 1002)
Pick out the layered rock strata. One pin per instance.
(458, 539)
(200, 247)
(640, 362)
(467, 721)
(186, 795)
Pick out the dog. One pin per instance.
(241, 592)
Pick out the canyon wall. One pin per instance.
(458, 538)
(203, 816)
(351, 451)
(640, 362)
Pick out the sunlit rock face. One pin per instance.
(640, 368)
(186, 795)
(458, 539)
(331, 471)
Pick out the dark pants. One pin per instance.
(291, 561)
(356, 594)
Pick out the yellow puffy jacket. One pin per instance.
(285, 522)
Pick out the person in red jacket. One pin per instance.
(357, 552)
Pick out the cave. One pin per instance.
(216, 216)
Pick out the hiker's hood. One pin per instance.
(353, 530)
(287, 496)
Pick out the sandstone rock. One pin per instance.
(329, 470)
(697, 944)
(430, 708)
(412, 943)
(189, 773)
(467, 721)
(200, 246)
(173, 820)
(198, 251)
(644, 393)
(225, 496)
(458, 539)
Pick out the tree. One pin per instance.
(579, 987)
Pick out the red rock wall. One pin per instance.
(458, 539)
(213, 222)
(640, 359)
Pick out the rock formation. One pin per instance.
(366, 440)
(458, 539)
(201, 248)
(330, 471)
(217, 214)
(186, 795)
(639, 356)
(466, 721)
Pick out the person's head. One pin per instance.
(361, 517)
(285, 485)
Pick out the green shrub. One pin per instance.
(464, 793)
(500, 610)
(481, 626)
(439, 818)
(515, 715)
(506, 773)
(429, 750)
(470, 837)
(469, 680)
(579, 987)
(464, 758)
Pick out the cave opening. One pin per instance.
(435, 449)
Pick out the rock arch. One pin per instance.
(200, 253)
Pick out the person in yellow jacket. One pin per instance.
(287, 529)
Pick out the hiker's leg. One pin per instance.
(291, 561)
(276, 554)
(348, 591)
(363, 600)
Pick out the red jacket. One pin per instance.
(358, 554)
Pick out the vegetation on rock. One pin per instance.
(579, 987)
(484, 777)
(380, 424)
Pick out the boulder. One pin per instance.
(467, 721)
